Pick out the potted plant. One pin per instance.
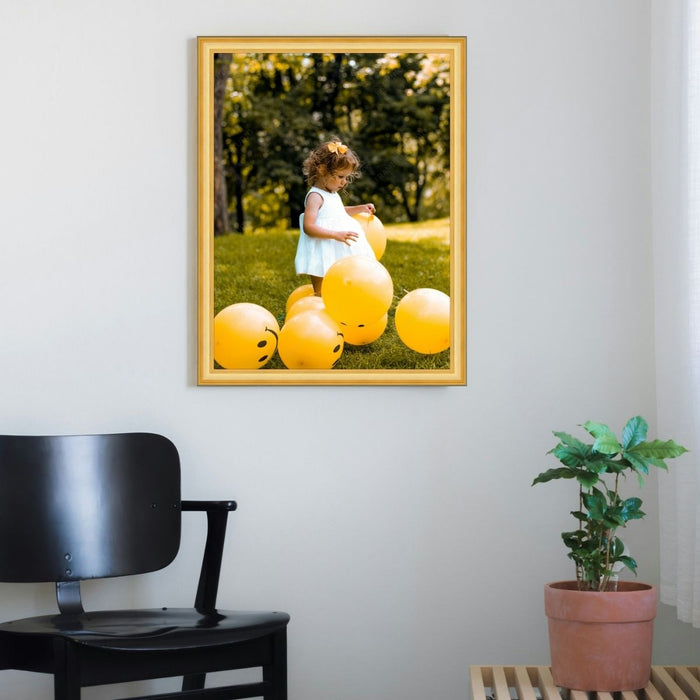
(600, 630)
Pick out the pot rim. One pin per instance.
(635, 602)
(622, 587)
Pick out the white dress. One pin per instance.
(315, 255)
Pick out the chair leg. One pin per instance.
(194, 681)
(66, 679)
(276, 672)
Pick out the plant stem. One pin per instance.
(609, 534)
(579, 567)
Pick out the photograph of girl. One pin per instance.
(309, 151)
(327, 230)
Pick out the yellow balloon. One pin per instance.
(245, 336)
(363, 334)
(304, 291)
(357, 290)
(306, 303)
(310, 340)
(374, 231)
(423, 320)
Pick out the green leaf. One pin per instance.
(586, 478)
(639, 463)
(607, 445)
(633, 504)
(596, 429)
(630, 563)
(658, 449)
(632, 509)
(605, 440)
(572, 442)
(573, 539)
(634, 432)
(614, 519)
(557, 473)
(571, 451)
(658, 463)
(597, 464)
(596, 504)
(568, 456)
(610, 466)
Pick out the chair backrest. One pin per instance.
(76, 507)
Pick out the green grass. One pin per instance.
(259, 268)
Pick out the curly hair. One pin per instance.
(328, 158)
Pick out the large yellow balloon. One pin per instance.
(357, 290)
(304, 291)
(245, 336)
(310, 340)
(423, 320)
(364, 333)
(374, 231)
(306, 303)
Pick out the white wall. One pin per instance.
(407, 544)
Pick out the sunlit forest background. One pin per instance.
(273, 109)
(270, 111)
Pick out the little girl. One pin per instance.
(327, 230)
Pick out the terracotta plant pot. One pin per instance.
(600, 641)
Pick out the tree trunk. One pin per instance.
(237, 179)
(222, 69)
(296, 193)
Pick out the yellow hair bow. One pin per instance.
(337, 147)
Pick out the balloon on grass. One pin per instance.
(310, 340)
(304, 291)
(364, 333)
(356, 290)
(245, 336)
(306, 303)
(374, 231)
(423, 320)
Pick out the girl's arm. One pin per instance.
(361, 209)
(311, 228)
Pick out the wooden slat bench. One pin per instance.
(536, 683)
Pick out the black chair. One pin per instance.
(79, 507)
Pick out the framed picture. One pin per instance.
(332, 210)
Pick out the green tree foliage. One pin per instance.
(400, 108)
(393, 110)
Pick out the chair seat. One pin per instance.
(152, 629)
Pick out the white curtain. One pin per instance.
(675, 130)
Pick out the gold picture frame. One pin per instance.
(243, 56)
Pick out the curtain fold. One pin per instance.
(675, 136)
